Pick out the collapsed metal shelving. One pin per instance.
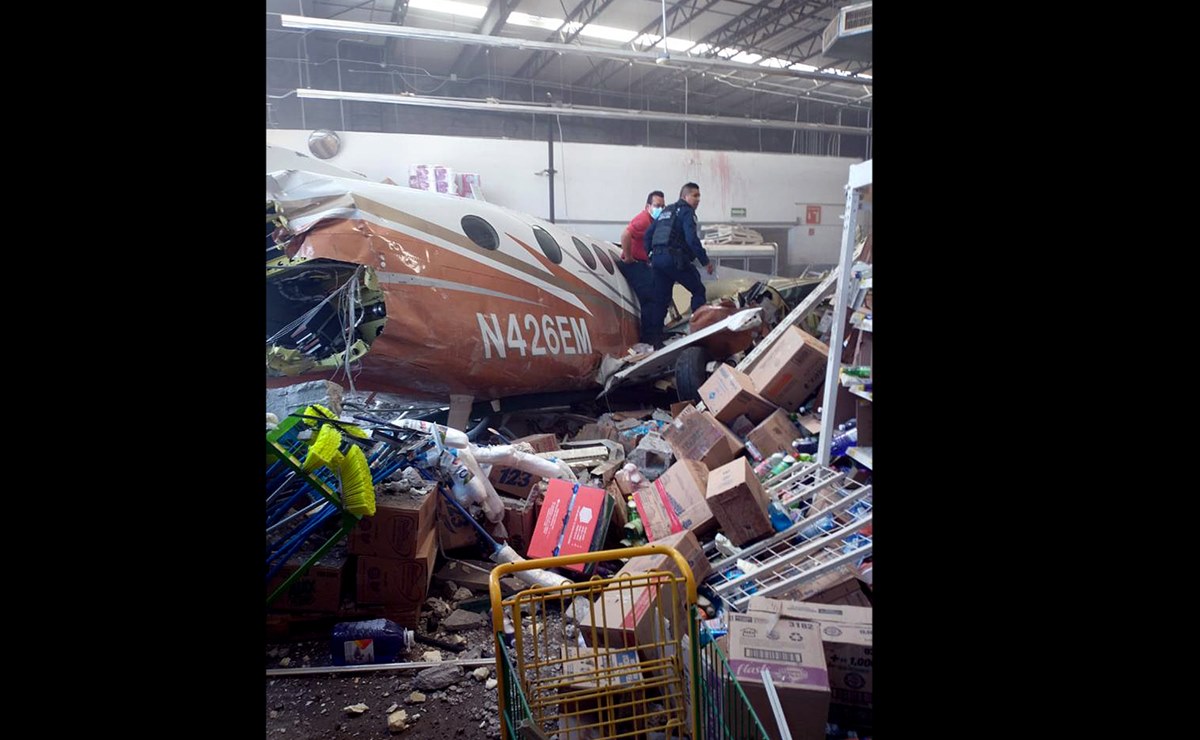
(836, 510)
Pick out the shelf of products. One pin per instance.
(852, 318)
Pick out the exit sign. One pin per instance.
(735, 212)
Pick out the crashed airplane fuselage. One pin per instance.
(428, 295)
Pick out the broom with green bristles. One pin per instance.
(357, 494)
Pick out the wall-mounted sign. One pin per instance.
(735, 212)
(812, 215)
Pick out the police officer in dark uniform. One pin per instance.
(672, 243)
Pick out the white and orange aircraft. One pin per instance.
(428, 295)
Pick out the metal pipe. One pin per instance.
(582, 111)
(465, 663)
(550, 168)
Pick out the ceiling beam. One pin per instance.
(584, 13)
(647, 58)
(678, 15)
(491, 24)
(760, 23)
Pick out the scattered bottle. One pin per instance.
(818, 528)
(858, 371)
(842, 442)
(787, 462)
(779, 516)
(372, 641)
(847, 425)
(764, 467)
(853, 542)
(805, 445)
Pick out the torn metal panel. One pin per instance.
(663, 361)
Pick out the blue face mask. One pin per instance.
(655, 211)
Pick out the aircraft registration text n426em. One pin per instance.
(533, 335)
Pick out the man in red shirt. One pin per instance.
(635, 263)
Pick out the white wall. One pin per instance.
(598, 188)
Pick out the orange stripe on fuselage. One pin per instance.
(433, 344)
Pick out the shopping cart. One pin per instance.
(620, 657)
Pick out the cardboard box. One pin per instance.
(739, 503)
(775, 434)
(676, 408)
(517, 482)
(791, 650)
(728, 393)
(642, 614)
(518, 521)
(585, 668)
(401, 522)
(696, 435)
(688, 546)
(846, 634)
(318, 591)
(839, 583)
(571, 522)
(791, 369)
(602, 689)
(849, 591)
(402, 583)
(454, 531)
(676, 502)
(842, 614)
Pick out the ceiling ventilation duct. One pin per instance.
(848, 35)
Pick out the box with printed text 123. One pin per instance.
(573, 519)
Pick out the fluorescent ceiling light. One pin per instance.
(449, 7)
(608, 33)
(534, 21)
(774, 62)
(746, 58)
(578, 111)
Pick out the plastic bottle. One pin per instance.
(372, 641)
(787, 462)
(818, 528)
(779, 516)
(847, 425)
(853, 542)
(806, 445)
(858, 371)
(842, 442)
(764, 467)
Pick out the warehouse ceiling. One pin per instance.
(751, 64)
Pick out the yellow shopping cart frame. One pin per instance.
(615, 657)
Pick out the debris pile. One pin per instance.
(779, 545)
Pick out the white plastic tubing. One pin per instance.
(510, 456)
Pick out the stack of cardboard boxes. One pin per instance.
(846, 639)
(395, 552)
(709, 452)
